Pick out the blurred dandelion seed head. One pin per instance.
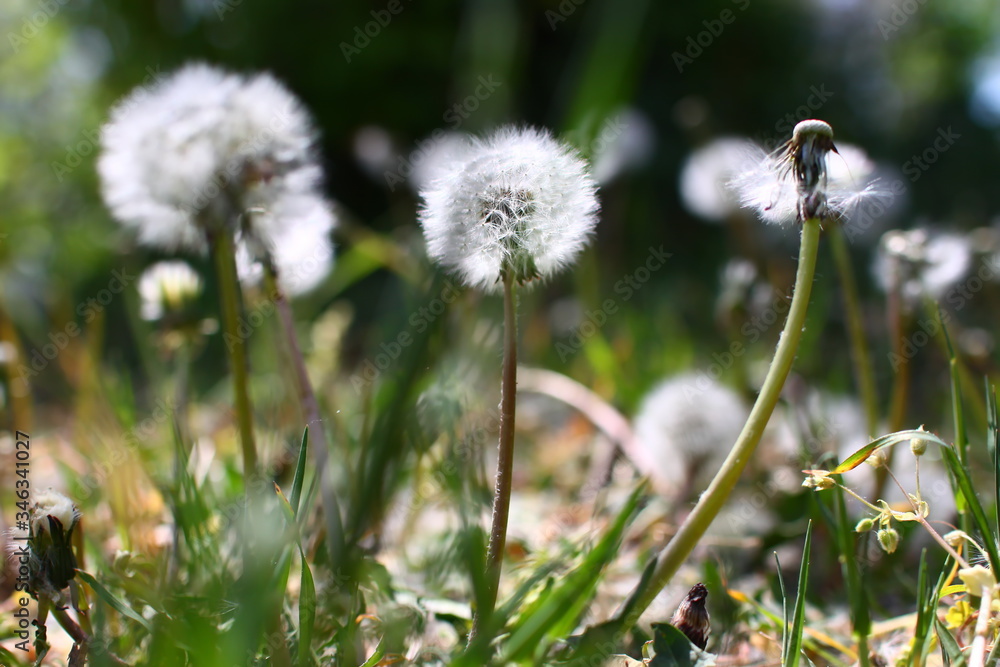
(687, 425)
(194, 153)
(516, 201)
(50, 503)
(921, 263)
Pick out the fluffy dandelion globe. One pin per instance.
(204, 152)
(517, 201)
(686, 426)
(921, 263)
(706, 174)
(167, 287)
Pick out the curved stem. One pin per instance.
(695, 525)
(863, 370)
(505, 460)
(225, 264)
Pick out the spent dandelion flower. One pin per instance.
(797, 181)
(517, 202)
(52, 563)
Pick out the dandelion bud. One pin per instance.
(864, 525)
(52, 564)
(918, 446)
(888, 539)
(518, 203)
(167, 289)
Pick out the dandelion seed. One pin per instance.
(686, 426)
(517, 201)
(796, 181)
(192, 155)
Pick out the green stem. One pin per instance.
(225, 264)
(863, 371)
(505, 460)
(695, 525)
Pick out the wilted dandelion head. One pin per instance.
(191, 154)
(52, 563)
(795, 182)
(167, 287)
(686, 425)
(516, 202)
(921, 263)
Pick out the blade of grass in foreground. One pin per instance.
(792, 639)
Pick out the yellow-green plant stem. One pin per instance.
(505, 459)
(225, 264)
(683, 543)
(864, 374)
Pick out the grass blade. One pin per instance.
(794, 635)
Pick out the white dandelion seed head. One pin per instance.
(50, 503)
(167, 287)
(686, 426)
(436, 156)
(767, 183)
(921, 263)
(518, 201)
(302, 254)
(193, 152)
(706, 174)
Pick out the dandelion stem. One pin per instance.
(505, 461)
(683, 543)
(311, 411)
(225, 263)
(863, 372)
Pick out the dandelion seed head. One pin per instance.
(686, 425)
(516, 201)
(921, 263)
(706, 174)
(193, 152)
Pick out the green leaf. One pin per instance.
(951, 652)
(307, 612)
(300, 472)
(799, 613)
(561, 607)
(671, 647)
(961, 477)
(859, 457)
(113, 601)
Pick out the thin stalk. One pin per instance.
(225, 264)
(311, 411)
(695, 525)
(864, 373)
(505, 460)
